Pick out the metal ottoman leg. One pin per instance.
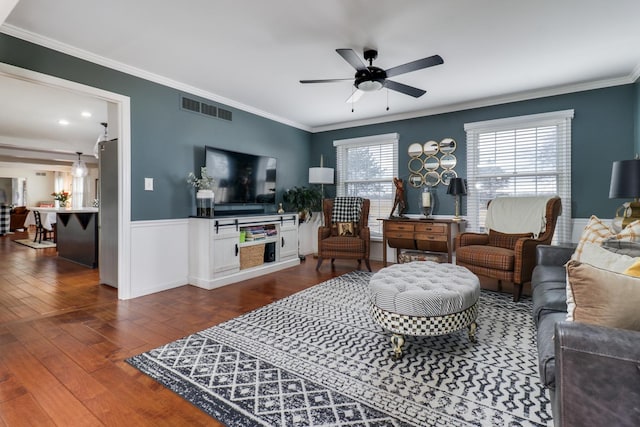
(397, 341)
(473, 326)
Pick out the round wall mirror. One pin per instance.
(431, 163)
(415, 150)
(415, 165)
(430, 148)
(448, 161)
(432, 178)
(447, 175)
(416, 180)
(447, 146)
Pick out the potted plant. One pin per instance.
(204, 194)
(61, 198)
(303, 200)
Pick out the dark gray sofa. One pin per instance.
(591, 372)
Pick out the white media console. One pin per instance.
(218, 257)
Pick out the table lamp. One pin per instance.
(457, 187)
(625, 183)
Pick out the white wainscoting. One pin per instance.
(578, 227)
(308, 235)
(159, 255)
(159, 252)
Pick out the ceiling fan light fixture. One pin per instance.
(369, 78)
(369, 85)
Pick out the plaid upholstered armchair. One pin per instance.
(346, 231)
(508, 256)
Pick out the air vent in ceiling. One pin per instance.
(190, 104)
(224, 114)
(209, 110)
(41, 174)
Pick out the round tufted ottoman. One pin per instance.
(424, 298)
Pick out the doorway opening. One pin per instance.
(122, 116)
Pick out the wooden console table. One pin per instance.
(432, 234)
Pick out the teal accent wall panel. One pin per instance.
(168, 142)
(603, 131)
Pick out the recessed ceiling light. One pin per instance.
(86, 114)
(63, 122)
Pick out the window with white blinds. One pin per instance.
(365, 168)
(520, 156)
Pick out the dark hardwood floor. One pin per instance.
(64, 338)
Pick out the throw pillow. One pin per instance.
(603, 297)
(345, 229)
(597, 231)
(505, 240)
(634, 270)
(624, 247)
(598, 256)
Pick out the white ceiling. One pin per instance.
(30, 116)
(252, 54)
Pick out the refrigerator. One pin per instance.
(108, 213)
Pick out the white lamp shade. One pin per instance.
(320, 175)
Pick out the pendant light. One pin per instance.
(79, 168)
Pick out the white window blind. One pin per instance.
(365, 168)
(520, 156)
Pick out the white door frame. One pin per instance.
(124, 159)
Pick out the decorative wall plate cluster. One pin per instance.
(432, 163)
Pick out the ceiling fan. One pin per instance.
(370, 78)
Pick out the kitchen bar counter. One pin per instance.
(77, 235)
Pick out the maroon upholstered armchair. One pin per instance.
(345, 233)
(506, 256)
(18, 216)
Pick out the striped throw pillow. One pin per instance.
(597, 231)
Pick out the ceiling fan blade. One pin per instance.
(352, 58)
(402, 88)
(325, 80)
(355, 96)
(415, 65)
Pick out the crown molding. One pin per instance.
(487, 102)
(635, 74)
(138, 72)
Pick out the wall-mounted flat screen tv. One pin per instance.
(241, 177)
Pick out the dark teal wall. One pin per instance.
(167, 142)
(602, 129)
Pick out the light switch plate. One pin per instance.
(148, 184)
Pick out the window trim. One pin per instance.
(343, 144)
(561, 119)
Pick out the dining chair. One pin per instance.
(41, 231)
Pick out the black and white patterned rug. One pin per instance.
(317, 359)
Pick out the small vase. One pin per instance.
(56, 204)
(204, 203)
